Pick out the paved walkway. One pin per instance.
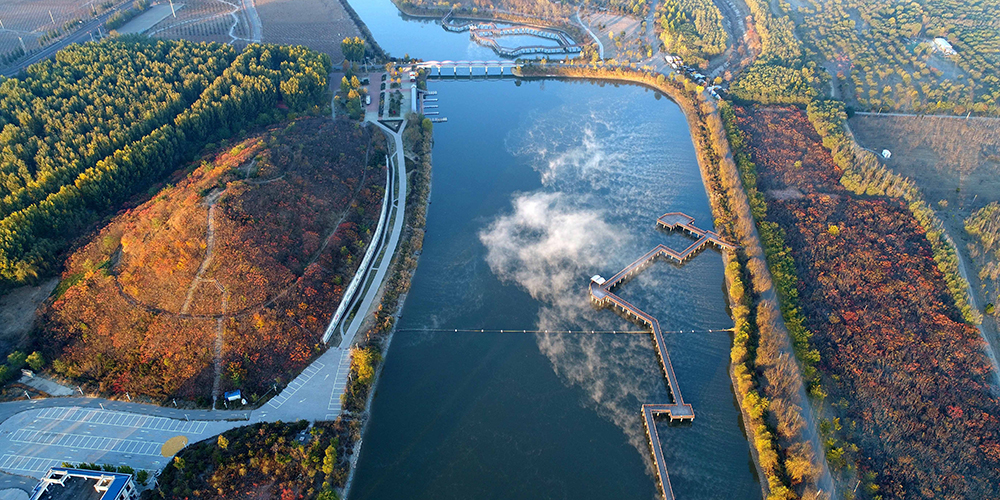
(600, 45)
(41, 433)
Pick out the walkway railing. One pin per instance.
(600, 293)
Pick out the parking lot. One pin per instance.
(34, 440)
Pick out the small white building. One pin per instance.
(943, 46)
(886, 154)
(413, 98)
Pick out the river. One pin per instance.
(537, 186)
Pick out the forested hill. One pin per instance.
(82, 133)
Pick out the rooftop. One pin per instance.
(62, 483)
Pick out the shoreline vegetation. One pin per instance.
(369, 351)
(765, 377)
(370, 43)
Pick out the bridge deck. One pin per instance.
(600, 292)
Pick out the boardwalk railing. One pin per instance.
(486, 33)
(600, 293)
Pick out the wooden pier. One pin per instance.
(600, 293)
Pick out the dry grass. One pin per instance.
(318, 24)
(950, 158)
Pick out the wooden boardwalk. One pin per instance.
(600, 293)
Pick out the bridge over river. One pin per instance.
(600, 293)
(467, 67)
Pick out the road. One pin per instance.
(600, 45)
(315, 393)
(41, 433)
(82, 34)
(381, 264)
(256, 28)
(913, 115)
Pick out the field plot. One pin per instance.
(956, 163)
(318, 24)
(30, 19)
(204, 21)
(951, 159)
(905, 377)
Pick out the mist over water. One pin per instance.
(536, 189)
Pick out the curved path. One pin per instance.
(40, 433)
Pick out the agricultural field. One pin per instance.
(964, 173)
(205, 21)
(959, 177)
(238, 265)
(30, 19)
(908, 400)
(318, 24)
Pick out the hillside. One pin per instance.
(241, 263)
(101, 122)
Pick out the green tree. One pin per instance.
(330, 460)
(36, 361)
(16, 359)
(353, 48)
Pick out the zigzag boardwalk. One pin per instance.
(600, 293)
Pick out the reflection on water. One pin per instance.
(536, 188)
(424, 38)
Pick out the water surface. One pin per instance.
(536, 188)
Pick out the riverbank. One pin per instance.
(380, 330)
(753, 378)
(365, 32)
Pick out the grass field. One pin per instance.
(318, 24)
(951, 159)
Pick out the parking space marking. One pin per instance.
(339, 382)
(121, 419)
(296, 384)
(27, 464)
(81, 442)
